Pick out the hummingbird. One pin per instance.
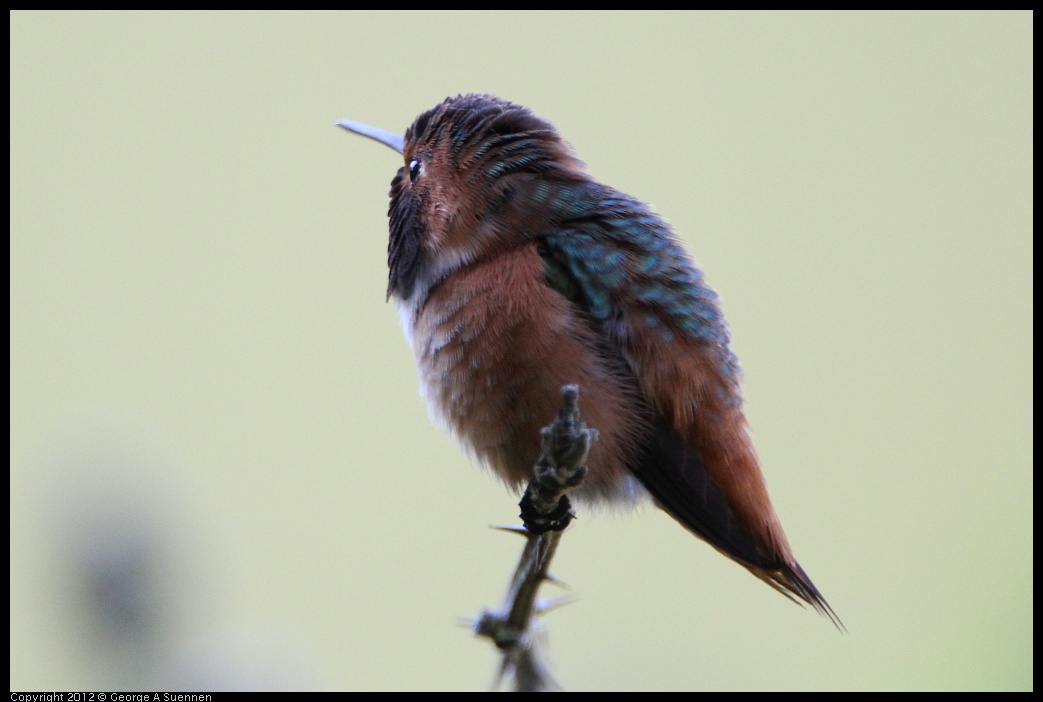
(515, 272)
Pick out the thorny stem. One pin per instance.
(546, 511)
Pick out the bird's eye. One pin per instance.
(414, 170)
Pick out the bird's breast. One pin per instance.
(494, 345)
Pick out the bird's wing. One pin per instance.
(623, 268)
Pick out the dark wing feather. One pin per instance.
(675, 476)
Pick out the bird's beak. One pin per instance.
(376, 133)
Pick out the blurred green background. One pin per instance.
(222, 474)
